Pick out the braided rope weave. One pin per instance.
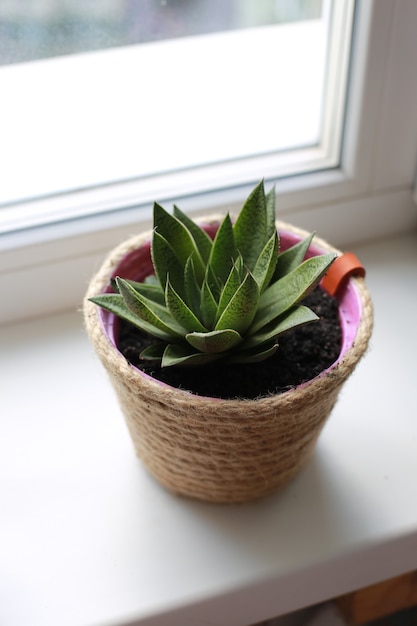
(212, 449)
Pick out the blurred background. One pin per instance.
(38, 29)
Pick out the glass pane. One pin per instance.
(37, 29)
(100, 94)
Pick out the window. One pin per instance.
(39, 29)
(345, 186)
(204, 110)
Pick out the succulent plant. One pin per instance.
(228, 298)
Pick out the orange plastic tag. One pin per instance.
(341, 269)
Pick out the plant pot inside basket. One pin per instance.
(212, 380)
(224, 450)
(303, 353)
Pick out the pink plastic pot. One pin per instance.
(137, 265)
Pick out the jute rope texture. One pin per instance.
(212, 449)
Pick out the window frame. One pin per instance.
(121, 164)
(349, 203)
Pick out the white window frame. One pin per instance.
(123, 142)
(369, 194)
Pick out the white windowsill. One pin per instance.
(88, 539)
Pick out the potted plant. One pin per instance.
(177, 313)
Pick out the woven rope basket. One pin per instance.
(212, 449)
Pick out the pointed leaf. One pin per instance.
(241, 309)
(179, 238)
(214, 341)
(293, 257)
(192, 289)
(181, 312)
(153, 352)
(114, 303)
(270, 213)
(208, 306)
(213, 282)
(240, 266)
(185, 355)
(255, 355)
(201, 238)
(251, 227)
(151, 291)
(232, 285)
(266, 263)
(223, 251)
(166, 261)
(290, 289)
(296, 316)
(149, 311)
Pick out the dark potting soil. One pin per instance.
(302, 354)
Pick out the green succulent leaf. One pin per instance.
(233, 283)
(241, 309)
(151, 291)
(114, 303)
(213, 283)
(223, 252)
(255, 355)
(179, 238)
(266, 263)
(208, 306)
(185, 355)
(298, 315)
(290, 289)
(251, 227)
(165, 261)
(151, 312)
(293, 257)
(192, 288)
(201, 238)
(214, 341)
(181, 312)
(270, 212)
(154, 352)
